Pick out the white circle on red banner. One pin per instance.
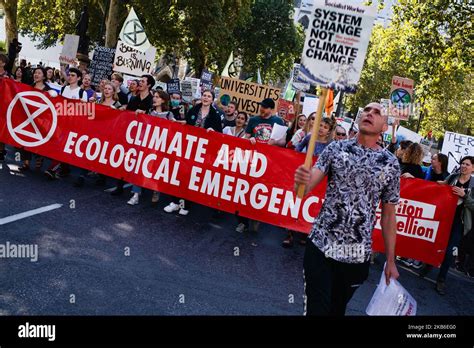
(28, 128)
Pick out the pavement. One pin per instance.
(100, 256)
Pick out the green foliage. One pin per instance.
(432, 43)
(48, 21)
(3, 47)
(269, 40)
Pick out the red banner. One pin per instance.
(216, 170)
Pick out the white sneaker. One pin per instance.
(240, 228)
(172, 207)
(134, 200)
(155, 197)
(183, 212)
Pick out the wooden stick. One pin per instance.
(314, 136)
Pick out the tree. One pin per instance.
(269, 40)
(208, 31)
(432, 43)
(10, 7)
(47, 22)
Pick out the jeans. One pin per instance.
(330, 284)
(454, 239)
(136, 189)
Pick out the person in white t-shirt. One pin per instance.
(72, 90)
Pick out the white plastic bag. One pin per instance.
(391, 300)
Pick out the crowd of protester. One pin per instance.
(140, 96)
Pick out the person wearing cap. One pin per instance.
(259, 128)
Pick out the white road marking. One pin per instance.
(113, 188)
(29, 213)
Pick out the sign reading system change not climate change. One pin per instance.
(336, 44)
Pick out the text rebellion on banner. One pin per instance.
(216, 170)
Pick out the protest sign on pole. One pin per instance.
(299, 86)
(401, 97)
(173, 86)
(133, 33)
(247, 95)
(195, 83)
(206, 80)
(334, 52)
(133, 62)
(69, 51)
(102, 63)
(336, 44)
(223, 172)
(456, 146)
(407, 134)
(310, 104)
(187, 91)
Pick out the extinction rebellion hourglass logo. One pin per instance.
(31, 119)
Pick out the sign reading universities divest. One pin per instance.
(247, 95)
(216, 170)
(336, 44)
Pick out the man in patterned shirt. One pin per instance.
(360, 174)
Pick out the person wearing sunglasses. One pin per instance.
(340, 133)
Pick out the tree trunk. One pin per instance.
(116, 13)
(11, 29)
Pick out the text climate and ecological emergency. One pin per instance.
(155, 153)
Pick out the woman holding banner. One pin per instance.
(300, 134)
(298, 124)
(161, 109)
(463, 187)
(203, 115)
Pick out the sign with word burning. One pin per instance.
(133, 62)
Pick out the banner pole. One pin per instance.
(314, 136)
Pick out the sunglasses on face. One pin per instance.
(341, 134)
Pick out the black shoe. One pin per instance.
(441, 288)
(79, 182)
(117, 191)
(425, 270)
(460, 268)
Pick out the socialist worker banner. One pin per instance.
(216, 170)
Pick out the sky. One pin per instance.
(49, 57)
